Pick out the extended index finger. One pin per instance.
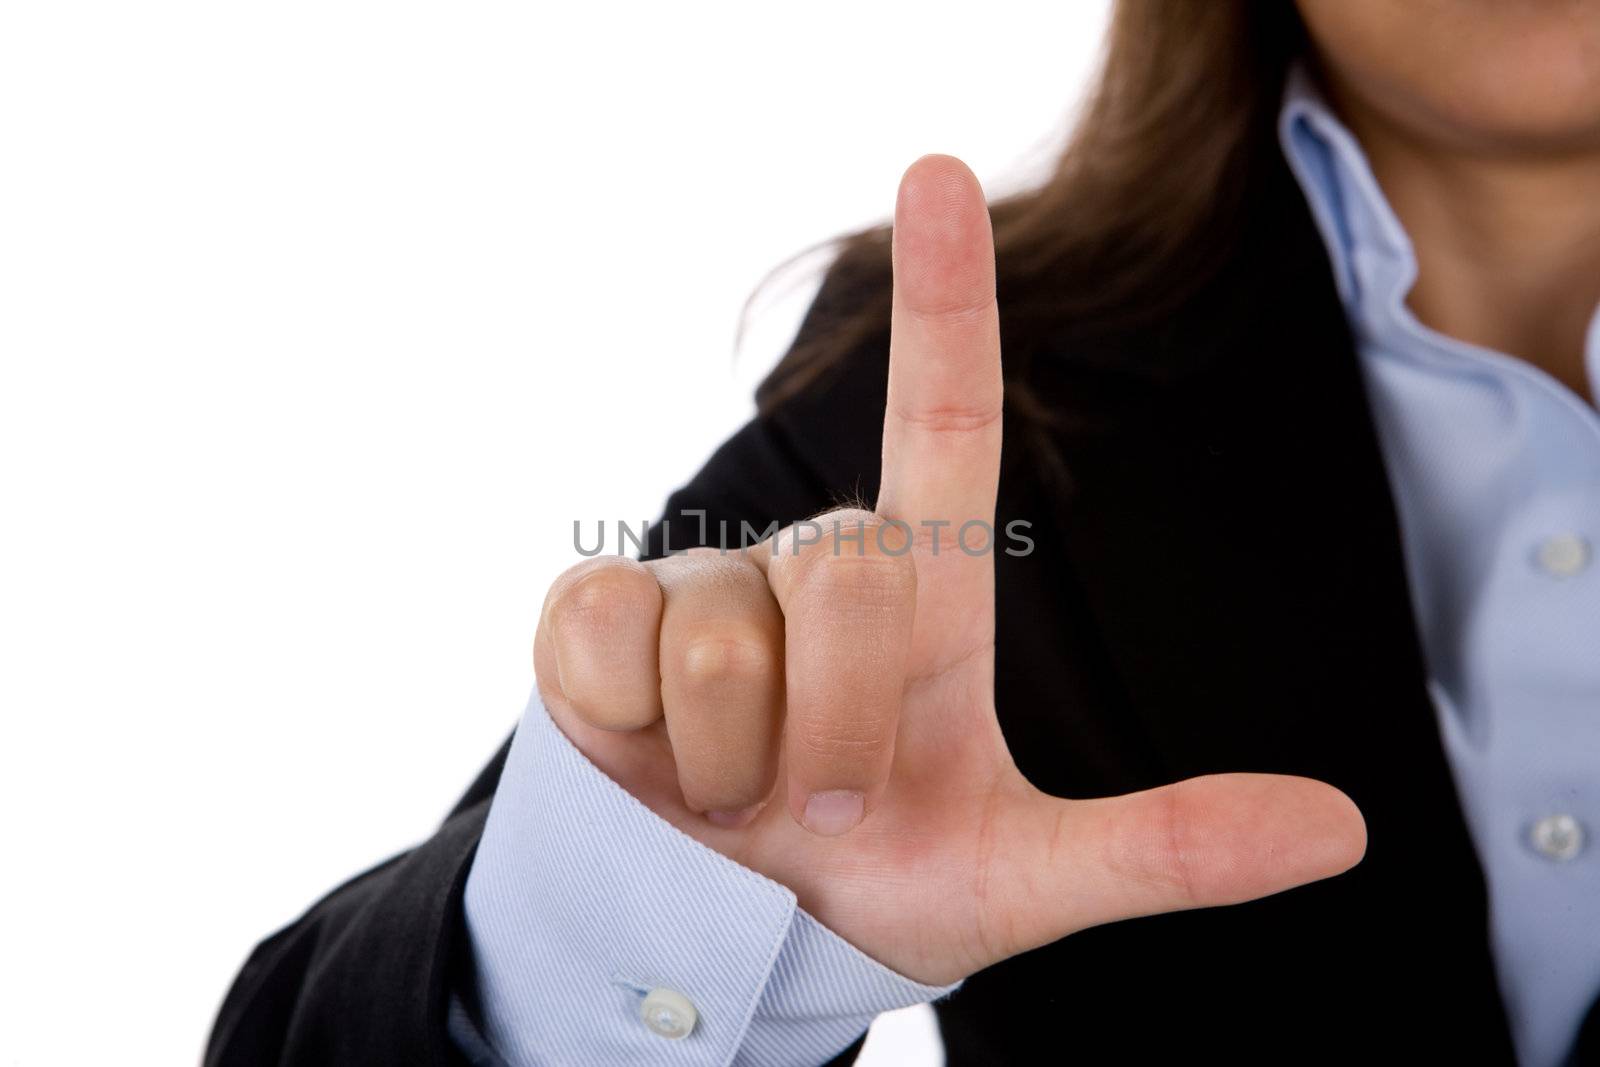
(942, 420)
(941, 432)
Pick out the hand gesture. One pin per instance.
(821, 707)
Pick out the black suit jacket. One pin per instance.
(1218, 586)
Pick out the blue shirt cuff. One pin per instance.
(580, 899)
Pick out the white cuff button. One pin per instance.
(1563, 555)
(667, 1013)
(1558, 837)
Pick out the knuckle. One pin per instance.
(855, 549)
(719, 659)
(603, 599)
(847, 743)
(952, 419)
(1160, 853)
(871, 580)
(975, 306)
(710, 577)
(1178, 856)
(735, 576)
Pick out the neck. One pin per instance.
(1507, 245)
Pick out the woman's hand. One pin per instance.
(824, 713)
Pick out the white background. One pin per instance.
(319, 325)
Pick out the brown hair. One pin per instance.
(1146, 199)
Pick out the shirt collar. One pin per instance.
(1374, 264)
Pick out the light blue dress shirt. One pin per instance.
(581, 901)
(1495, 467)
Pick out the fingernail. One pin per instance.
(834, 812)
(732, 820)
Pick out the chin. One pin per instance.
(1544, 102)
(1484, 75)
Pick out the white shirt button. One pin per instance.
(1557, 837)
(667, 1013)
(1563, 555)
